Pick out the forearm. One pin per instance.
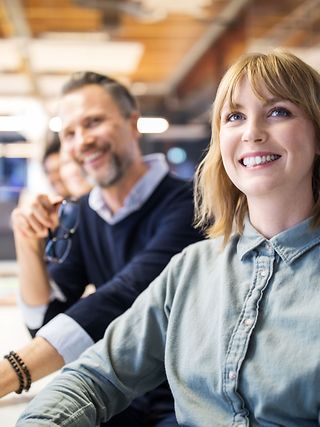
(32, 274)
(40, 357)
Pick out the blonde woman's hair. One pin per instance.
(220, 207)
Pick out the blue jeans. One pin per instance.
(132, 418)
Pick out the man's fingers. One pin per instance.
(26, 228)
(37, 217)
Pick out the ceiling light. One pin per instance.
(145, 124)
(11, 124)
(55, 124)
(177, 155)
(152, 125)
(49, 55)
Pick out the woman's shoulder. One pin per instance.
(200, 252)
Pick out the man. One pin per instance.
(134, 220)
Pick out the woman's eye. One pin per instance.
(234, 117)
(280, 112)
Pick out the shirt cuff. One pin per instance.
(66, 336)
(32, 315)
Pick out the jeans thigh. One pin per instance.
(169, 421)
(127, 418)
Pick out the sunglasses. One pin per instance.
(59, 242)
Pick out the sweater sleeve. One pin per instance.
(174, 231)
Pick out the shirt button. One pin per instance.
(263, 273)
(248, 322)
(232, 375)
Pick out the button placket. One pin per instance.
(241, 336)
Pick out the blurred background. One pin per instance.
(171, 53)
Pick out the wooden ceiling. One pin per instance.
(187, 44)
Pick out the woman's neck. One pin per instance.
(271, 217)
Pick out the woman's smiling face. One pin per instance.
(267, 145)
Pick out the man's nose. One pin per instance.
(83, 137)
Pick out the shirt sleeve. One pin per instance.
(33, 316)
(126, 363)
(66, 336)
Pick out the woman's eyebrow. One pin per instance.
(273, 100)
(230, 106)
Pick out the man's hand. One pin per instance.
(31, 224)
(34, 220)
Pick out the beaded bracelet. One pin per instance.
(17, 370)
(21, 370)
(24, 368)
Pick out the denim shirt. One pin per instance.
(236, 331)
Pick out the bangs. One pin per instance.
(282, 79)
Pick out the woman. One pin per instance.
(232, 321)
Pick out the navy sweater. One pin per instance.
(122, 259)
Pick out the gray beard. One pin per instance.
(114, 173)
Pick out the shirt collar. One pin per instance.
(289, 244)
(157, 169)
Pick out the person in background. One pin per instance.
(232, 321)
(119, 238)
(64, 174)
(73, 176)
(51, 165)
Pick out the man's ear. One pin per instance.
(134, 116)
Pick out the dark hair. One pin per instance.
(53, 145)
(126, 102)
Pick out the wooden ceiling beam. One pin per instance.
(21, 30)
(215, 30)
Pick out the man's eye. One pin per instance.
(234, 116)
(67, 135)
(94, 121)
(280, 112)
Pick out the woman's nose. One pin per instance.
(253, 132)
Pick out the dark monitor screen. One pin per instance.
(13, 177)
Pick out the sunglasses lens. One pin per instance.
(59, 243)
(69, 215)
(50, 254)
(57, 250)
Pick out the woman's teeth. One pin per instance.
(259, 160)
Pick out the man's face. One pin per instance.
(52, 169)
(97, 136)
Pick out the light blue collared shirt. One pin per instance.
(236, 331)
(157, 169)
(66, 335)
